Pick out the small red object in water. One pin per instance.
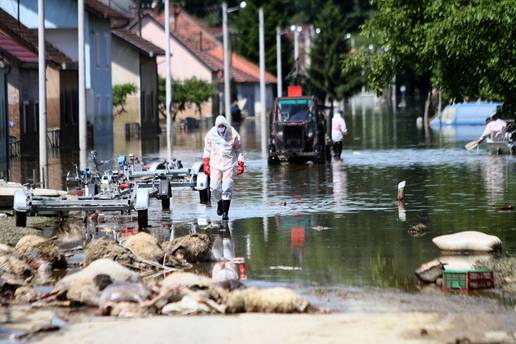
(295, 91)
(124, 186)
(243, 272)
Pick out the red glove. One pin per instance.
(240, 169)
(207, 166)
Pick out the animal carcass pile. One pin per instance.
(137, 277)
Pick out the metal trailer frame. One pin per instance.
(26, 203)
(164, 179)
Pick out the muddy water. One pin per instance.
(340, 223)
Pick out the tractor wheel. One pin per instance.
(143, 219)
(21, 219)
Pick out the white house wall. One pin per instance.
(184, 65)
(125, 68)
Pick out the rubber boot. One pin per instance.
(219, 208)
(225, 209)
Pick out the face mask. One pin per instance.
(221, 130)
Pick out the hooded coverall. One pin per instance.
(224, 152)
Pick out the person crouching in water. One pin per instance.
(338, 131)
(223, 156)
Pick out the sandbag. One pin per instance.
(468, 241)
(463, 262)
(429, 272)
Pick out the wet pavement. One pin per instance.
(339, 224)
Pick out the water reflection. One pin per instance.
(339, 222)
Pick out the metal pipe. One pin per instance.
(263, 98)
(227, 56)
(278, 62)
(83, 157)
(168, 82)
(42, 88)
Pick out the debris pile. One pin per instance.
(115, 279)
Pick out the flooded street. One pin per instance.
(340, 224)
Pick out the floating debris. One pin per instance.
(417, 230)
(285, 268)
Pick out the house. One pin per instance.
(61, 30)
(18, 50)
(196, 52)
(133, 60)
(19, 90)
(4, 129)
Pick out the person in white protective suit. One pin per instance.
(223, 156)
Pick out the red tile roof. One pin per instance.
(138, 42)
(29, 39)
(15, 50)
(249, 70)
(201, 41)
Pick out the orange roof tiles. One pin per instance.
(201, 41)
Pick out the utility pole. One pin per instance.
(42, 88)
(227, 56)
(296, 45)
(263, 98)
(83, 157)
(168, 85)
(278, 62)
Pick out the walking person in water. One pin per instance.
(223, 157)
(338, 131)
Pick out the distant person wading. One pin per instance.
(338, 131)
(223, 156)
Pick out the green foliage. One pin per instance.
(283, 13)
(187, 92)
(120, 93)
(246, 42)
(467, 46)
(325, 77)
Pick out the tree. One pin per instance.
(467, 46)
(246, 40)
(120, 93)
(325, 77)
(190, 91)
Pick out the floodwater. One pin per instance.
(340, 223)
